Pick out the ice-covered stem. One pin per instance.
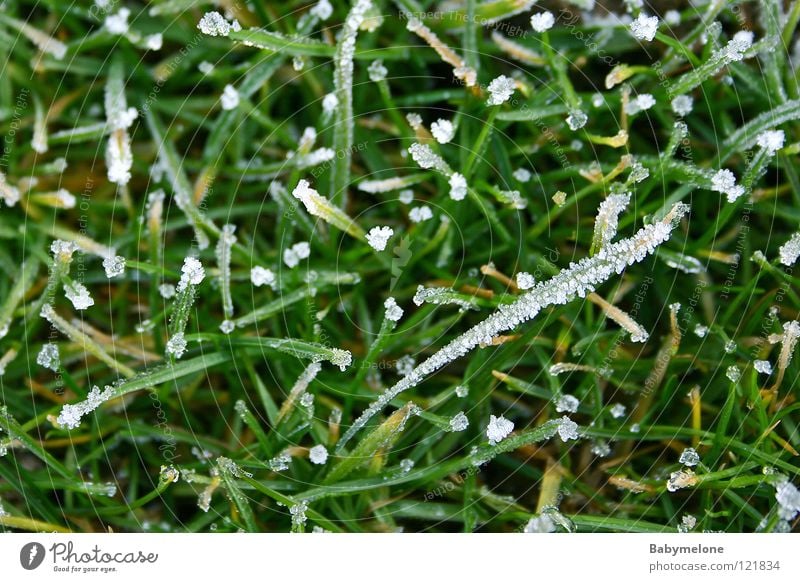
(466, 74)
(343, 83)
(625, 321)
(392, 314)
(84, 341)
(605, 225)
(736, 50)
(791, 333)
(576, 281)
(119, 117)
(43, 41)
(318, 205)
(299, 388)
(192, 275)
(223, 252)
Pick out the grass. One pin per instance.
(218, 438)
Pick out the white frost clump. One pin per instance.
(71, 414)
(378, 236)
(724, 182)
(733, 373)
(318, 455)
(771, 141)
(682, 105)
(540, 524)
(498, 429)
(227, 326)
(154, 42)
(500, 90)
(788, 498)
(322, 10)
(763, 366)
(78, 295)
(462, 391)
(790, 250)
(443, 130)
(377, 71)
(420, 214)
(192, 273)
(577, 119)
(522, 175)
(176, 345)
(214, 24)
(426, 158)
(672, 17)
(543, 21)
(642, 102)
(405, 365)
(166, 290)
(700, 330)
(260, 276)
(230, 98)
(689, 457)
(525, 280)
(644, 27)
(567, 403)
(680, 480)
(118, 23)
(393, 311)
(205, 67)
(618, 410)
(567, 429)
(329, 103)
(460, 422)
(114, 266)
(458, 186)
(293, 255)
(405, 196)
(48, 357)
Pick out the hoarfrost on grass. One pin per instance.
(689, 457)
(459, 422)
(420, 214)
(443, 130)
(214, 24)
(763, 366)
(498, 429)
(644, 27)
(318, 455)
(48, 357)
(393, 311)
(114, 266)
(176, 345)
(378, 236)
(543, 21)
(458, 186)
(71, 414)
(567, 403)
(525, 280)
(260, 276)
(230, 98)
(500, 90)
(682, 105)
(567, 429)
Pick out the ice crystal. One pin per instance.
(114, 266)
(294, 254)
(78, 295)
(426, 158)
(322, 10)
(567, 403)
(605, 226)
(689, 457)
(790, 250)
(644, 27)
(681, 480)
(261, 276)
(540, 524)
(567, 429)
(543, 21)
(378, 236)
(405, 365)
(420, 214)
(71, 414)
(329, 103)
(298, 513)
(318, 455)
(733, 373)
(458, 186)
(522, 175)
(393, 311)
(459, 422)
(763, 366)
(641, 102)
(672, 17)
(154, 42)
(443, 130)
(214, 24)
(724, 182)
(406, 465)
(280, 462)
(227, 326)
(192, 273)
(462, 391)
(601, 449)
(525, 280)
(48, 357)
(230, 98)
(118, 23)
(682, 105)
(700, 330)
(771, 141)
(498, 429)
(176, 345)
(205, 67)
(577, 119)
(406, 197)
(788, 498)
(166, 290)
(500, 90)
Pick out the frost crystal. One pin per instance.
(522, 175)
(214, 24)
(230, 98)
(280, 463)
(788, 498)
(227, 326)
(733, 373)
(543, 21)
(205, 67)
(377, 72)
(700, 330)
(567, 403)
(176, 345)
(118, 23)
(689, 457)
(500, 90)
(790, 250)
(322, 10)
(293, 255)
(443, 130)
(406, 465)
(261, 276)
(420, 214)
(567, 429)
(48, 357)
(167, 291)
(405, 365)
(724, 182)
(378, 236)
(298, 513)
(458, 186)
(618, 410)
(642, 102)
(525, 280)
(426, 158)
(605, 226)
(682, 105)
(71, 414)
(462, 391)
(577, 119)
(771, 141)
(192, 273)
(540, 524)
(460, 422)
(680, 480)
(329, 103)
(763, 366)
(393, 311)
(406, 197)
(498, 429)
(78, 295)
(318, 455)
(154, 42)
(672, 17)
(114, 266)
(601, 449)
(644, 27)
